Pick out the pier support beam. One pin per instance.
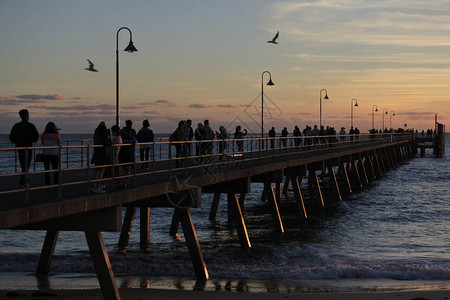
(144, 228)
(192, 242)
(268, 190)
(235, 208)
(126, 228)
(48, 248)
(298, 195)
(345, 180)
(102, 265)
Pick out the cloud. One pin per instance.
(228, 106)
(34, 97)
(199, 106)
(161, 102)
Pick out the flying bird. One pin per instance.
(91, 67)
(273, 41)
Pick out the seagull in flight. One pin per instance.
(273, 41)
(91, 67)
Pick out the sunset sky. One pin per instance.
(203, 59)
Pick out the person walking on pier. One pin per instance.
(51, 138)
(24, 134)
(342, 134)
(145, 135)
(100, 156)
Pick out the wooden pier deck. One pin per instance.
(349, 166)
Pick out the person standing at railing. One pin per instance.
(100, 156)
(222, 135)
(284, 134)
(209, 136)
(126, 155)
(272, 135)
(297, 136)
(238, 136)
(24, 134)
(145, 135)
(342, 134)
(189, 133)
(129, 125)
(199, 135)
(178, 137)
(50, 156)
(357, 133)
(116, 140)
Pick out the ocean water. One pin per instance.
(392, 235)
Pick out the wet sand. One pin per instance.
(141, 293)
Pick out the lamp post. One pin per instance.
(270, 82)
(390, 119)
(384, 113)
(326, 98)
(376, 109)
(351, 117)
(130, 48)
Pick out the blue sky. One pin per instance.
(204, 60)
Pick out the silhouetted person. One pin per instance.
(145, 135)
(189, 134)
(238, 136)
(223, 136)
(129, 125)
(272, 135)
(297, 136)
(51, 138)
(126, 155)
(178, 137)
(209, 135)
(24, 134)
(100, 156)
(199, 135)
(284, 134)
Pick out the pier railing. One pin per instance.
(166, 158)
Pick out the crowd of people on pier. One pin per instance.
(118, 145)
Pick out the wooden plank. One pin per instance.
(108, 219)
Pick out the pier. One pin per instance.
(332, 167)
(435, 141)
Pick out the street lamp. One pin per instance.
(326, 98)
(384, 113)
(376, 109)
(390, 118)
(351, 118)
(130, 48)
(270, 82)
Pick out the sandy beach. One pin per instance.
(140, 293)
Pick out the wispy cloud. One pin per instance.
(228, 106)
(161, 102)
(197, 105)
(34, 97)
